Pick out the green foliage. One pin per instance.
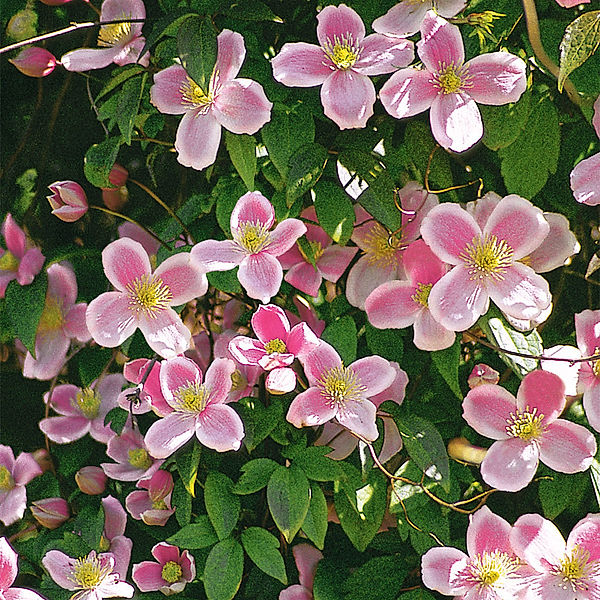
(100, 159)
(446, 362)
(315, 522)
(342, 335)
(262, 547)
(378, 579)
(222, 505)
(199, 534)
(334, 211)
(188, 460)
(223, 570)
(197, 49)
(242, 151)
(305, 167)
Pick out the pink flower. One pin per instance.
(93, 576)
(170, 574)
(8, 574)
(254, 247)
(399, 304)
(587, 329)
(330, 260)
(276, 347)
(50, 512)
(14, 476)
(152, 503)
(486, 262)
(144, 298)
(585, 182)
(451, 87)
(307, 558)
(91, 480)
(527, 430)
(490, 571)
(341, 392)
(34, 62)
(120, 43)
(68, 201)
(197, 408)
(82, 410)
(382, 252)
(61, 321)
(133, 460)
(21, 260)
(149, 396)
(571, 3)
(239, 105)
(113, 536)
(342, 63)
(564, 571)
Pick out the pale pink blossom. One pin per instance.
(307, 558)
(527, 430)
(306, 314)
(237, 104)
(62, 320)
(342, 64)
(50, 512)
(120, 43)
(450, 87)
(8, 573)
(254, 247)
(567, 371)
(152, 502)
(340, 392)
(133, 461)
(587, 329)
(14, 476)
(144, 298)
(490, 570)
(93, 577)
(276, 347)
(21, 260)
(34, 62)
(563, 570)
(585, 181)
(147, 397)
(68, 200)
(482, 374)
(113, 535)
(486, 262)
(82, 410)
(399, 304)
(170, 574)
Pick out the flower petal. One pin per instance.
(538, 542)
(359, 417)
(165, 333)
(184, 278)
(440, 568)
(51, 351)
(178, 372)
(270, 322)
(587, 329)
(455, 121)
(230, 54)
(391, 305)
(166, 92)
(60, 566)
(64, 430)
(586, 535)
(337, 22)
(375, 374)
(168, 434)
(242, 106)
(299, 64)
(307, 558)
(304, 277)
(323, 358)
(147, 575)
(440, 43)
(310, 408)
(496, 78)
(543, 391)
(124, 261)
(14, 236)
(109, 319)
(567, 447)
(382, 54)
(335, 261)
(62, 285)
(486, 409)
(348, 98)
(212, 255)
(261, 276)
(364, 277)
(8, 564)
(430, 335)
(75, 325)
(284, 236)
(252, 207)
(301, 340)
(558, 246)
(85, 59)
(510, 465)
(197, 140)
(403, 19)
(487, 532)
(584, 181)
(218, 379)
(281, 380)
(219, 427)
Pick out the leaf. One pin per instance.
(315, 523)
(581, 40)
(223, 570)
(195, 535)
(116, 417)
(197, 49)
(226, 281)
(187, 465)
(91, 362)
(502, 125)
(128, 105)
(334, 211)
(255, 476)
(342, 335)
(90, 523)
(288, 497)
(316, 465)
(259, 421)
(419, 594)
(227, 192)
(329, 580)
(25, 305)
(263, 549)
(182, 501)
(307, 250)
(123, 74)
(559, 493)
(166, 25)
(99, 160)
(252, 10)
(378, 579)
(222, 505)
(242, 151)
(305, 167)
(387, 343)
(446, 362)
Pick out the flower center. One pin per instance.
(171, 572)
(317, 251)
(343, 52)
(526, 425)
(421, 295)
(487, 257)
(575, 569)
(238, 381)
(7, 482)
(451, 79)
(339, 385)
(192, 398)
(139, 458)
(111, 35)
(52, 316)
(378, 248)
(194, 96)
(158, 504)
(490, 568)
(252, 237)
(275, 345)
(596, 363)
(88, 572)
(88, 402)
(149, 295)
(9, 262)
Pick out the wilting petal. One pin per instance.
(242, 107)
(178, 372)
(304, 277)
(85, 59)
(124, 261)
(299, 64)
(537, 541)
(510, 465)
(166, 92)
(497, 78)
(392, 440)
(486, 409)
(348, 98)
(403, 19)
(440, 43)
(455, 121)
(219, 427)
(310, 408)
(543, 391)
(184, 277)
(567, 447)
(487, 532)
(585, 182)
(109, 319)
(230, 54)
(197, 141)
(252, 207)
(338, 21)
(168, 434)
(359, 417)
(382, 54)
(165, 333)
(64, 430)
(218, 379)
(284, 236)
(440, 568)
(261, 276)
(374, 373)
(391, 305)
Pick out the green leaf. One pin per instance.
(226, 281)
(419, 594)
(305, 167)
(222, 505)
(116, 417)
(182, 501)
(329, 579)
(342, 335)
(334, 211)
(166, 25)
(91, 362)
(223, 570)
(25, 305)
(27, 192)
(381, 207)
(259, 421)
(99, 160)
(502, 125)
(307, 250)
(242, 151)
(315, 523)
(263, 549)
(255, 475)
(387, 343)
(288, 496)
(559, 493)
(129, 104)
(316, 465)
(197, 49)
(581, 40)
(227, 192)
(122, 75)
(187, 465)
(195, 535)
(90, 522)
(252, 10)
(378, 579)
(446, 362)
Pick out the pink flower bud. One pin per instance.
(116, 197)
(161, 485)
(68, 200)
(50, 512)
(34, 62)
(91, 480)
(482, 374)
(55, 2)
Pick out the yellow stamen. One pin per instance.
(526, 425)
(275, 345)
(139, 458)
(158, 504)
(7, 482)
(490, 569)
(171, 572)
(487, 257)
(378, 248)
(88, 573)
(192, 398)
(9, 262)
(111, 35)
(421, 295)
(316, 248)
(596, 363)
(252, 237)
(451, 78)
(194, 96)
(52, 316)
(238, 381)
(343, 52)
(88, 402)
(149, 295)
(576, 569)
(339, 385)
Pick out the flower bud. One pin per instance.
(42, 458)
(161, 485)
(68, 200)
(482, 374)
(34, 62)
(115, 198)
(55, 2)
(22, 25)
(50, 512)
(91, 480)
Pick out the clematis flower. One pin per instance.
(82, 410)
(198, 408)
(490, 571)
(113, 538)
(34, 62)
(341, 392)
(68, 201)
(152, 502)
(307, 558)
(144, 298)
(170, 574)
(239, 105)
(571, 3)
(133, 462)
(254, 247)
(8, 574)
(342, 64)
(120, 43)
(61, 321)
(399, 304)
(14, 476)
(135, 232)
(587, 329)
(21, 260)
(486, 262)
(564, 571)
(330, 260)
(450, 87)
(276, 347)
(382, 252)
(527, 430)
(93, 576)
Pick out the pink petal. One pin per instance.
(510, 465)
(359, 417)
(14, 236)
(496, 78)
(338, 21)
(115, 517)
(30, 265)
(348, 98)
(281, 380)
(339, 439)
(21, 594)
(241, 106)
(486, 408)
(487, 532)
(586, 535)
(261, 276)
(300, 64)
(246, 350)
(584, 181)
(166, 92)
(217, 256)
(537, 541)
(307, 558)
(60, 567)
(455, 121)
(109, 319)
(168, 434)
(335, 261)
(587, 329)
(62, 284)
(301, 340)
(62, 400)
(567, 447)
(113, 10)
(440, 568)
(7, 458)
(392, 440)
(568, 372)
(184, 278)
(382, 54)
(421, 264)
(138, 234)
(252, 207)
(596, 117)
(295, 592)
(176, 373)
(75, 325)
(391, 306)
(25, 469)
(284, 236)
(51, 351)
(440, 43)
(164, 553)
(124, 261)
(218, 379)
(230, 54)
(291, 258)
(430, 335)
(85, 59)
(64, 430)
(304, 277)
(364, 277)
(403, 19)
(374, 373)
(197, 141)
(270, 322)
(120, 548)
(8, 564)
(323, 358)
(310, 408)
(543, 391)
(558, 246)
(165, 333)
(13, 505)
(219, 427)
(137, 503)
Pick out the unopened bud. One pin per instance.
(68, 200)
(34, 62)
(91, 480)
(50, 512)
